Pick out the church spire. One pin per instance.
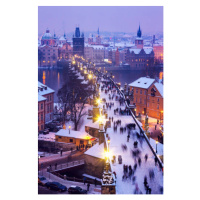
(139, 32)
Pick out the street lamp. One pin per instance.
(38, 163)
(69, 129)
(156, 146)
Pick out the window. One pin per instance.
(41, 117)
(144, 101)
(140, 91)
(70, 140)
(158, 100)
(81, 142)
(148, 104)
(42, 127)
(145, 92)
(50, 97)
(136, 99)
(158, 106)
(136, 91)
(158, 114)
(48, 108)
(148, 97)
(140, 100)
(60, 137)
(41, 106)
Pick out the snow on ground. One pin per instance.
(116, 140)
(159, 146)
(47, 137)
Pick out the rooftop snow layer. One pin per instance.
(159, 86)
(96, 151)
(142, 82)
(42, 91)
(73, 134)
(41, 98)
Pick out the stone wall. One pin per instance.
(54, 147)
(94, 166)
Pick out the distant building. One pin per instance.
(90, 39)
(140, 58)
(98, 38)
(62, 39)
(148, 97)
(48, 39)
(89, 53)
(65, 51)
(139, 41)
(45, 104)
(78, 43)
(47, 56)
(95, 53)
(117, 58)
(158, 53)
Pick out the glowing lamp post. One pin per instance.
(69, 129)
(156, 146)
(108, 143)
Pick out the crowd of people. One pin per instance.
(129, 171)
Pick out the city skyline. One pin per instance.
(114, 19)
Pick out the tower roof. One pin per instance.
(139, 32)
(77, 32)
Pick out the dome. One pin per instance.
(47, 35)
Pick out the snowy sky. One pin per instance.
(107, 18)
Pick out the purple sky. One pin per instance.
(114, 19)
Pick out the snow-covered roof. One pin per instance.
(142, 82)
(81, 77)
(138, 38)
(74, 134)
(62, 38)
(84, 82)
(92, 125)
(96, 151)
(136, 51)
(101, 47)
(159, 86)
(43, 89)
(148, 50)
(41, 98)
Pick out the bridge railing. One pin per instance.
(59, 167)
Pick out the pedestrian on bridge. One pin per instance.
(95, 182)
(146, 157)
(84, 180)
(128, 138)
(88, 187)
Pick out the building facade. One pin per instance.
(158, 53)
(41, 113)
(139, 41)
(140, 58)
(48, 94)
(47, 56)
(78, 43)
(65, 51)
(148, 97)
(48, 39)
